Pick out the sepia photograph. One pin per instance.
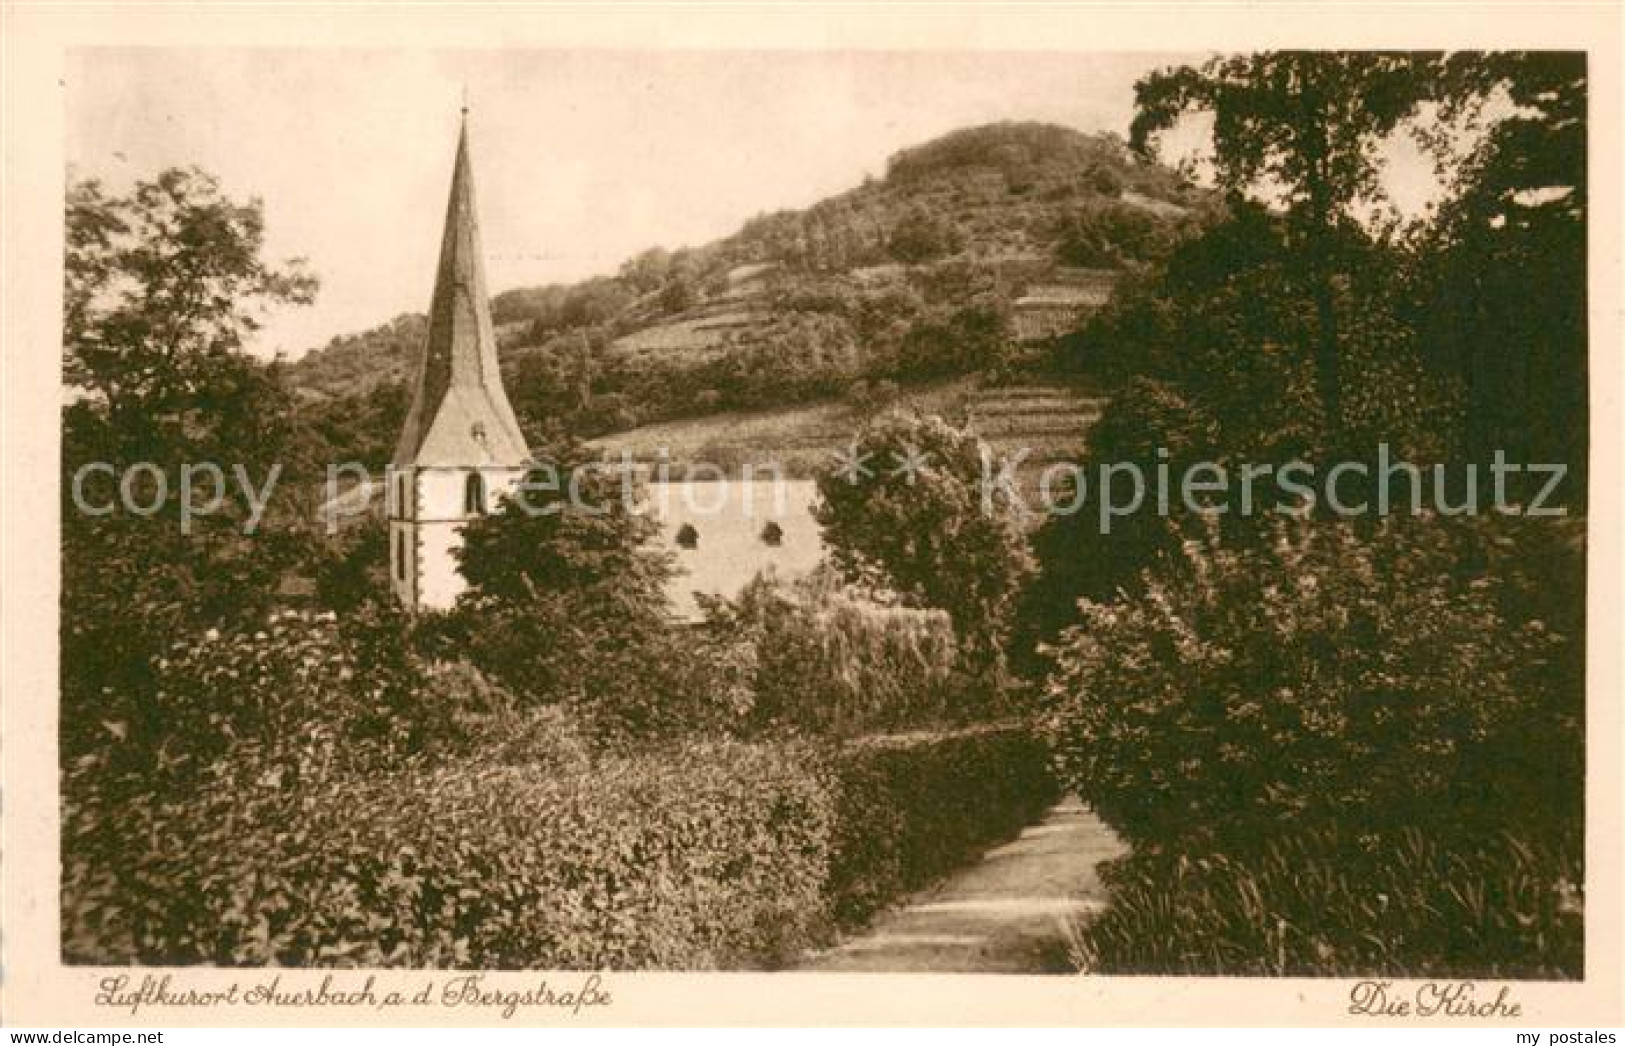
(1071, 514)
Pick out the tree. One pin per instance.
(946, 339)
(1304, 124)
(160, 292)
(1110, 234)
(1210, 359)
(919, 514)
(552, 387)
(1501, 276)
(160, 287)
(545, 539)
(567, 603)
(922, 235)
(645, 272)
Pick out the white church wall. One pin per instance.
(402, 560)
(442, 492)
(437, 516)
(729, 518)
(439, 580)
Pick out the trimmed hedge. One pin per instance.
(706, 856)
(910, 810)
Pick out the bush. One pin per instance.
(1327, 904)
(498, 728)
(820, 662)
(1321, 677)
(130, 586)
(687, 860)
(304, 693)
(1305, 679)
(1337, 753)
(238, 723)
(921, 236)
(700, 856)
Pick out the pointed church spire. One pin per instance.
(460, 414)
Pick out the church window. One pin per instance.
(773, 534)
(400, 556)
(403, 503)
(688, 537)
(474, 495)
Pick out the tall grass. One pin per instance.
(1323, 903)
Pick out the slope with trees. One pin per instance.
(905, 279)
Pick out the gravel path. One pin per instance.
(1004, 914)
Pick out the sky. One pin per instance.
(581, 158)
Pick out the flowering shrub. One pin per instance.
(1337, 754)
(1320, 676)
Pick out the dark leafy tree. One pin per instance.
(567, 605)
(1501, 276)
(1303, 124)
(360, 427)
(926, 519)
(161, 286)
(922, 236)
(552, 386)
(1108, 234)
(546, 539)
(646, 271)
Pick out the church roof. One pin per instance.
(460, 413)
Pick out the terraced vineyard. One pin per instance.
(698, 336)
(1049, 422)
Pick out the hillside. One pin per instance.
(1040, 423)
(907, 280)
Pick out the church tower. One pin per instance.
(461, 447)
